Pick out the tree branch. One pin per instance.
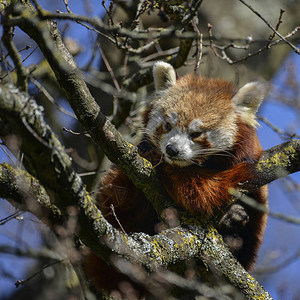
(42, 149)
(22, 74)
(102, 131)
(277, 162)
(25, 190)
(162, 250)
(296, 49)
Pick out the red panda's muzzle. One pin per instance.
(172, 150)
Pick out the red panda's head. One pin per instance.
(196, 117)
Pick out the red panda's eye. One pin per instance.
(168, 126)
(194, 135)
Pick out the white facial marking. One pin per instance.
(156, 119)
(222, 138)
(195, 125)
(173, 118)
(183, 143)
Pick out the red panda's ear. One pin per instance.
(164, 75)
(247, 100)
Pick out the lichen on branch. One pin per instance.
(163, 250)
(46, 159)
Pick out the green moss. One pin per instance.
(157, 247)
(252, 286)
(281, 159)
(4, 4)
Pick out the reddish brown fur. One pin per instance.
(204, 190)
(200, 189)
(189, 185)
(135, 215)
(186, 186)
(117, 190)
(213, 97)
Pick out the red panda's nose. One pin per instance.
(172, 150)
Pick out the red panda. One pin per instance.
(200, 135)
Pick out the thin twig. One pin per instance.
(89, 173)
(296, 49)
(22, 73)
(7, 55)
(108, 67)
(266, 47)
(15, 215)
(275, 268)
(198, 53)
(277, 129)
(2, 77)
(43, 90)
(278, 24)
(22, 282)
(76, 133)
(115, 216)
(8, 155)
(109, 12)
(261, 207)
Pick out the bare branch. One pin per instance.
(296, 49)
(45, 157)
(16, 57)
(28, 194)
(70, 191)
(260, 207)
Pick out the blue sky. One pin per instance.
(281, 239)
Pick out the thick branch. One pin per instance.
(118, 151)
(86, 109)
(162, 250)
(46, 157)
(25, 190)
(276, 162)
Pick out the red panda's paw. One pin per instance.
(234, 220)
(147, 150)
(234, 241)
(145, 147)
